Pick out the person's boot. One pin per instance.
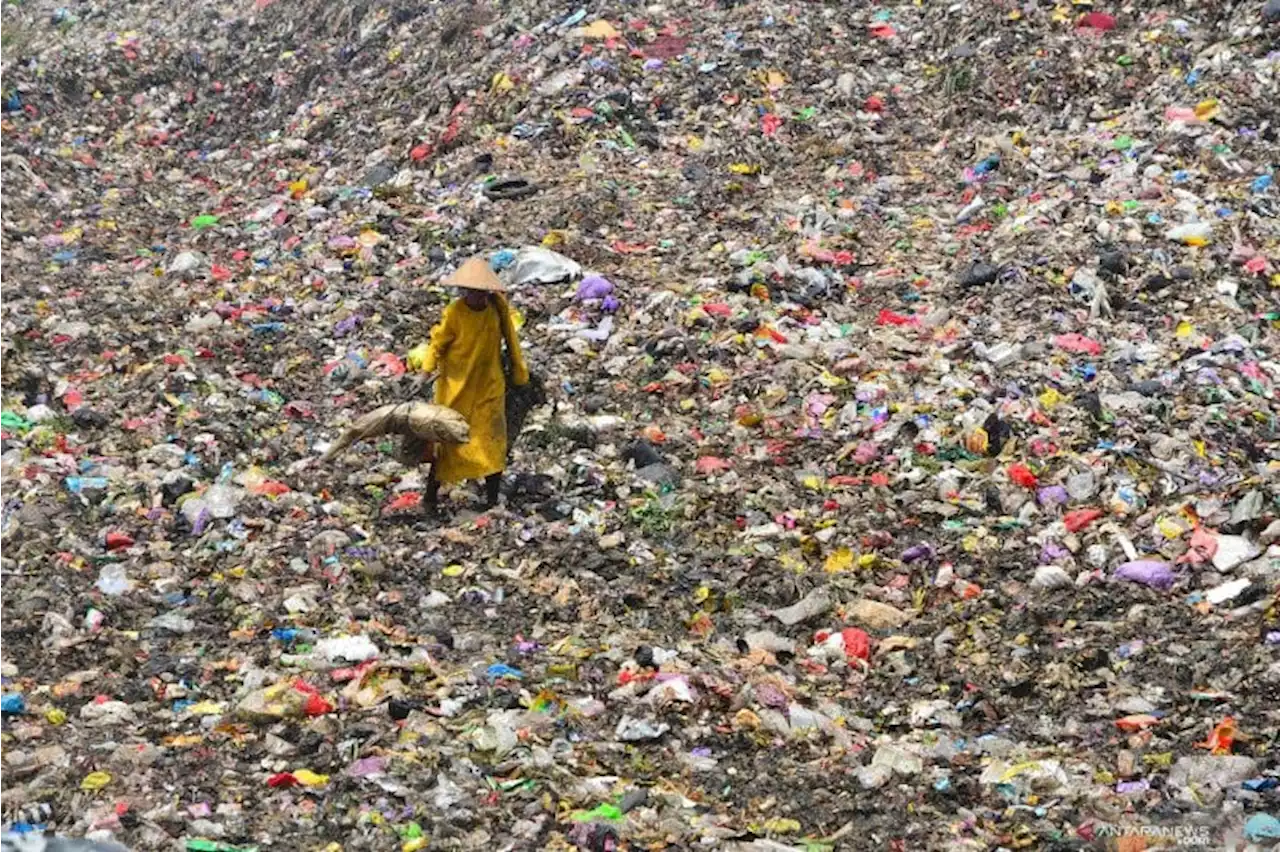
(492, 488)
(431, 498)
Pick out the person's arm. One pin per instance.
(426, 357)
(519, 370)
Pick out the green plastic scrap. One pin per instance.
(9, 420)
(199, 844)
(207, 220)
(604, 811)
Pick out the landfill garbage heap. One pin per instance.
(904, 477)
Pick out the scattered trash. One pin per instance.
(899, 469)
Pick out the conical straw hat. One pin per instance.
(475, 274)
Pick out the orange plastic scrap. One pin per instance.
(1221, 738)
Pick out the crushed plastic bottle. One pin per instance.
(113, 580)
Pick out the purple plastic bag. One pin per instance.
(594, 287)
(917, 552)
(367, 766)
(1053, 495)
(1149, 572)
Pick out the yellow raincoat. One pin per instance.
(466, 349)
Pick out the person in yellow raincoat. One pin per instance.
(465, 351)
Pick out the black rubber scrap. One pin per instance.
(1113, 262)
(998, 434)
(603, 838)
(979, 274)
(510, 189)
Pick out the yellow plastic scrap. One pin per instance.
(977, 441)
(307, 778)
(1170, 528)
(600, 29)
(830, 380)
(744, 168)
(694, 314)
(840, 560)
(1017, 769)
(792, 564)
(95, 781)
(1207, 109)
(774, 80)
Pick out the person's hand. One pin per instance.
(416, 360)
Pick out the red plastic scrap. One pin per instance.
(888, 317)
(1078, 519)
(857, 644)
(712, 464)
(1097, 21)
(666, 47)
(1078, 343)
(1021, 474)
